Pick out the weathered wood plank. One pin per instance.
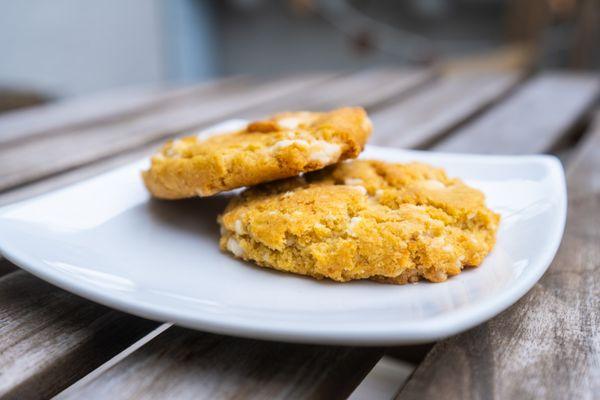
(38, 368)
(533, 119)
(72, 112)
(548, 344)
(374, 88)
(116, 105)
(184, 364)
(46, 156)
(51, 338)
(371, 89)
(470, 142)
(434, 112)
(439, 108)
(150, 363)
(211, 335)
(74, 175)
(400, 85)
(52, 154)
(106, 107)
(179, 381)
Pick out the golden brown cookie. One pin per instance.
(359, 219)
(285, 145)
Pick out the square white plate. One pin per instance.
(106, 240)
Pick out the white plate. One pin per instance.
(104, 239)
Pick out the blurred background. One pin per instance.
(55, 49)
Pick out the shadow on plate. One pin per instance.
(197, 216)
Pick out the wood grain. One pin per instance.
(548, 344)
(51, 338)
(532, 120)
(371, 89)
(434, 112)
(151, 362)
(106, 107)
(329, 93)
(74, 175)
(80, 334)
(184, 364)
(439, 108)
(213, 364)
(52, 154)
(397, 84)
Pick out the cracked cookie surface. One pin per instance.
(285, 145)
(388, 222)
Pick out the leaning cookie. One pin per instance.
(395, 223)
(286, 145)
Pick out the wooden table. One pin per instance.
(545, 346)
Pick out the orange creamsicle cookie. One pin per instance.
(388, 222)
(283, 146)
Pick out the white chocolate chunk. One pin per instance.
(319, 150)
(433, 184)
(290, 142)
(176, 147)
(239, 227)
(202, 193)
(354, 221)
(234, 247)
(361, 189)
(353, 181)
(289, 123)
(324, 152)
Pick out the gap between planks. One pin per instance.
(547, 345)
(46, 157)
(535, 118)
(194, 365)
(440, 108)
(462, 98)
(6, 267)
(465, 113)
(56, 153)
(102, 108)
(116, 380)
(581, 92)
(48, 379)
(50, 338)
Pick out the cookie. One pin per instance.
(285, 145)
(388, 222)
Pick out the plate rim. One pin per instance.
(426, 331)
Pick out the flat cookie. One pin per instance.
(286, 145)
(396, 223)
